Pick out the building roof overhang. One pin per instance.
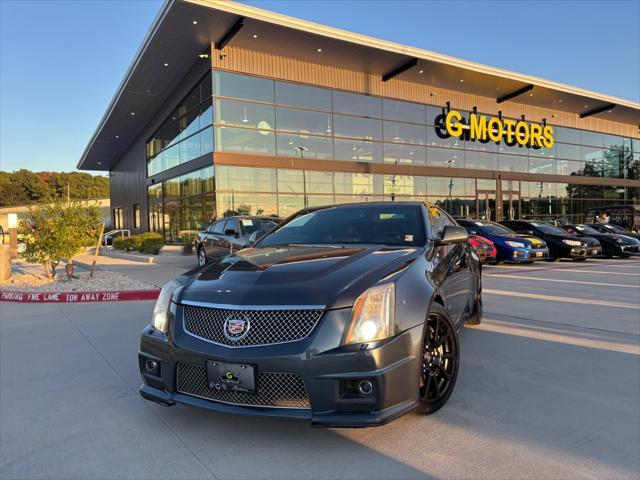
(184, 29)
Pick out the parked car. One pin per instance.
(343, 316)
(511, 247)
(594, 245)
(626, 216)
(611, 228)
(560, 243)
(230, 234)
(485, 248)
(612, 243)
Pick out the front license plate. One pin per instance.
(538, 254)
(232, 377)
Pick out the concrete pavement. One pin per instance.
(546, 390)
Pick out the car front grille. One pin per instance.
(280, 390)
(264, 327)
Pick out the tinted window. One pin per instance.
(373, 224)
(492, 229)
(403, 111)
(437, 221)
(219, 227)
(303, 96)
(230, 225)
(250, 225)
(356, 104)
(242, 86)
(546, 228)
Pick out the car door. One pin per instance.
(214, 241)
(451, 272)
(232, 240)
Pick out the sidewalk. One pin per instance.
(164, 269)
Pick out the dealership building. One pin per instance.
(229, 109)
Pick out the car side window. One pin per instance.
(437, 221)
(230, 225)
(218, 228)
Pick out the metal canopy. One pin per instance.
(183, 29)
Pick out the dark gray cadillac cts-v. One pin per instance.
(344, 316)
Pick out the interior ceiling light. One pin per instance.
(117, 136)
(531, 94)
(560, 101)
(255, 35)
(133, 113)
(586, 106)
(203, 55)
(166, 64)
(195, 22)
(609, 111)
(319, 50)
(421, 72)
(462, 80)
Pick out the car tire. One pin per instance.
(579, 259)
(202, 257)
(440, 361)
(552, 259)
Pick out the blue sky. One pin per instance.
(61, 61)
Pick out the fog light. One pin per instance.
(365, 387)
(150, 366)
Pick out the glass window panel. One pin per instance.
(356, 127)
(245, 114)
(189, 124)
(404, 133)
(432, 113)
(474, 145)
(304, 146)
(537, 189)
(481, 160)
(318, 182)
(289, 204)
(517, 149)
(484, 184)
(208, 179)
(441, 186)
(235, 85)
(189, 148)
(407, 154)
(243, 140)
(566, 135)
(403, 111)
(433, 140)
(358, 198)
(542, 165)
(591, 153)
(303, 121)
(356, 104)
(593, 168)
(303, 96)
(246, 179)
(206, 115)
(445, 157)
(357, 150)
(632, 163)
(614, 164)
(613, 141)
(229, 204)
(358, 184)
(513, 163)
(206, 140)
(206, 86)
(569, 167)
(290, 181)
(568, 151)
(320, 200)
(405, 185)
(591, 138)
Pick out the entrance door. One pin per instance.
(486, 204)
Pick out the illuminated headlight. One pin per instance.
(515, 244)
(372, 316)
(619, 240)
(572, 243)
(161, 310)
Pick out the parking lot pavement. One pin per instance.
(549, 387)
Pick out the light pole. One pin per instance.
(450, 162)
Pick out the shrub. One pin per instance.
(144, 243)
(58, 231)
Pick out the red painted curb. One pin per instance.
(77, 297)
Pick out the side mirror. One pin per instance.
(231, 232)
(453, 234)
(254, 237)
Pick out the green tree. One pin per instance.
(58, 231)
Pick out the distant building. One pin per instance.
(228, 109)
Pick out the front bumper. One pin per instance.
(328, 371)
(527, 255)
(629, 249)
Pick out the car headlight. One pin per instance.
(572, 243)
(161, 310)
(373, 315)
(619, 240)
(515, 244)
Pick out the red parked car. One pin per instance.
(485, 248)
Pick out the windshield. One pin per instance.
(493, 229)
(587, 230)
(250, 225)
(397, 225)
(614, 228)
(550, 229)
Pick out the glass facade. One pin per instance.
(267, 117)
(229, 112)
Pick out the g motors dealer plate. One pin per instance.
(232, 377)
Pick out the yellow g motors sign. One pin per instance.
(485, 128)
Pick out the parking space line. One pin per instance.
(575, 269)
(520, 277)
(553, 298)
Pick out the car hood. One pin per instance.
(590, 240)
(328, 276)
(529, 240)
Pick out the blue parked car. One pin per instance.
(511, 246)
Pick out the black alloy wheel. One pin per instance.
(439, 363)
